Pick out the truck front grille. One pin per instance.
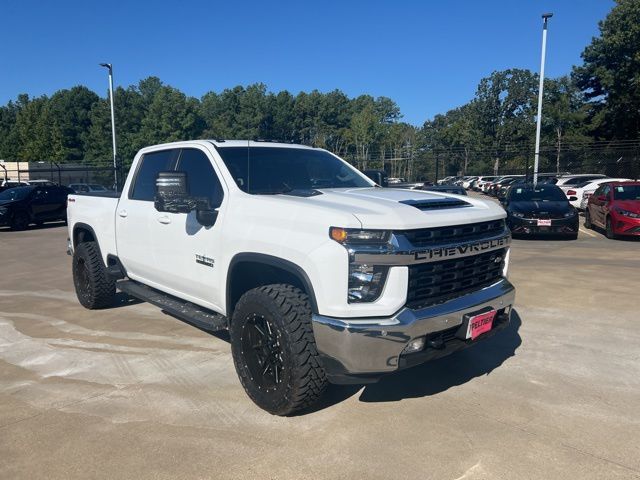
(437, 282)
(453, 234)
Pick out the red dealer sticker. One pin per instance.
(480, 324)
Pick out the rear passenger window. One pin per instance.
(201, 177)
(144, 187)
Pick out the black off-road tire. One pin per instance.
(20, 221)
(302, 379)
(608, 231)
(95, 288)
(587, 220)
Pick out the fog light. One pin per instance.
(415, 345)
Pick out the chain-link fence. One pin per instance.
(616, 159)
(619, 159)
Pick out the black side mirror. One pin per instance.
(172, 193)
(206, 215)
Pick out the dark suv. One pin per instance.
(22, 206)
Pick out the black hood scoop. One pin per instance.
(436, 203)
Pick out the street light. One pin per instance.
(113, 124)
(545, 18)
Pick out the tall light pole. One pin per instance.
(545, 18)
(113, 124)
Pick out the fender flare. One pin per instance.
(83, 226)
(270, 260)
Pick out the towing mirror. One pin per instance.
(172, 193)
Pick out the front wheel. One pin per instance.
(609, 229)
(274, 349)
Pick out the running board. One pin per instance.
(187, 311)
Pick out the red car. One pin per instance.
(615, 206)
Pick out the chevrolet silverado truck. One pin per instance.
(319, 274)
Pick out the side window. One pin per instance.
(144, 185)
(201, 177)
(605, 191)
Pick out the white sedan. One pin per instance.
(579, 194)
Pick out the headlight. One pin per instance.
(352, 235)
(517, 214)
(627, 213)
(570, 214)
(366, 282)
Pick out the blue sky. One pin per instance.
(428, 56)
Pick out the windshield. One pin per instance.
(542, 193)
(17, 193)
(271, 170)
(626, 192)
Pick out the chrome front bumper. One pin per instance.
(371, 347)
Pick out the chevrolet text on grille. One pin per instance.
(460, 250)
(433, 254)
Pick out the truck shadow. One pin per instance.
(442, 374)
(433, 377)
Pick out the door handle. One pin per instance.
(164, 220)
(123, 213)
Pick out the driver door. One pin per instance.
(185, 252)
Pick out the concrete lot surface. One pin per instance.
(133, 393)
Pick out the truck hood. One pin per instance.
(398, 209)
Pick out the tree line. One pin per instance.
(599, 100)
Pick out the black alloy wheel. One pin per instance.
(95, 288)
(263, 354)
(274, 349)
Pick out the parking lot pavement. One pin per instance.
(132, 393)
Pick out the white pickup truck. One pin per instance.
(319, 274)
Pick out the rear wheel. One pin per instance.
(95, 288)
(274, 350)
(609, 229)
(20, 221)
(587, 220)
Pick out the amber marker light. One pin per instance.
(338, 234)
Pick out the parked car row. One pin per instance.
(553, 205)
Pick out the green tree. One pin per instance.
(505, 103)
(563, 114)
(610, 75)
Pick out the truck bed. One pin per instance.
(95, 211)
